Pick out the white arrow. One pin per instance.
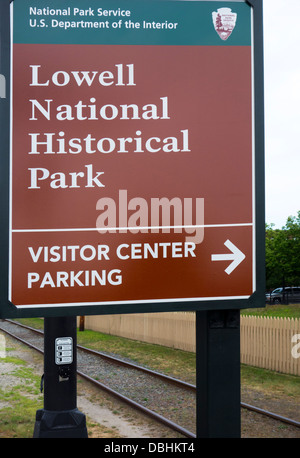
(236, 256)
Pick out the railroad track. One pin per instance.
(169, 401)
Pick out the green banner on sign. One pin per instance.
(133, 22)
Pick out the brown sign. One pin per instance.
(132, 165)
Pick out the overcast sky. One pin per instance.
(282, 109)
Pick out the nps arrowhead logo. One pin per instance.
(224, 22)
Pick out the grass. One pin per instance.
(20, 401)
(272, 382)
(21, 398)
(278, 310)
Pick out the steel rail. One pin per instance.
(168, 379)
(130, 402)
(289, 421)
(120, 362)
(137, 406)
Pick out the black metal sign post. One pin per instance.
(60, 417)
(218, 331)
(218, 374)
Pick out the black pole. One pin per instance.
(218, 374)
(60, 417)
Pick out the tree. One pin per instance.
(283, 254)
(219, 25)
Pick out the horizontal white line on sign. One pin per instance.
(146, 301)
(134, 228)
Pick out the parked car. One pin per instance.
(288, 294)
